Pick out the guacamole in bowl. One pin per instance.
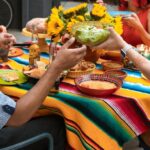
(90, 33)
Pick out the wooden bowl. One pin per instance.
(116, 73)
(76, 74)
(112, 65)
(113, 55)
(99, 91)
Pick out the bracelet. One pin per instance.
(125, 49)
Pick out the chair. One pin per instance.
(32, 140)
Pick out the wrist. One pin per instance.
(56, 67)
(140, 29)
(122, 45)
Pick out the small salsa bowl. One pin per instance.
(106, 79)
(116, 73)
(112, 65)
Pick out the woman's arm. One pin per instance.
(148, 18)
(139, 61)
(135, 23)
(116, 42)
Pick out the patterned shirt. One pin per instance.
(7, 108)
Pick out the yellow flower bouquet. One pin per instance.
(62, 21)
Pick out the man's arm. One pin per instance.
(30, 102)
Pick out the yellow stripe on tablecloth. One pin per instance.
(142, 99)
(137, 80)
(24, 56)
(13, 91)
(14, 65)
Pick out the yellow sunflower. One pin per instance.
(55, 26)
(55, 11)
(74, 10)
(81, 7)
(107, 19)
(80, 18)
(70, 24)
(98, 10)
(70, 11)
(118, 26)
(61, 8)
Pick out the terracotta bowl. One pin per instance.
(98, 77)
(76, 73)
(92, 56)
(112, 65)
(116, 73)
(113, 55)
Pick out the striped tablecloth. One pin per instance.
(94, 122)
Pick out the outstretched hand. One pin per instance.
(114, 42)
(68, 57)
(133, 21)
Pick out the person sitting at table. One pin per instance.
(116, 42)
(6, 39)
(136, 27)
(16, 124)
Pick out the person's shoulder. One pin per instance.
(5, 99)
(7, 108)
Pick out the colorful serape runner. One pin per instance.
(94, 122)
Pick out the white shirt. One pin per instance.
(7, 108)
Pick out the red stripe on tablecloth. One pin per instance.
(130, 112)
